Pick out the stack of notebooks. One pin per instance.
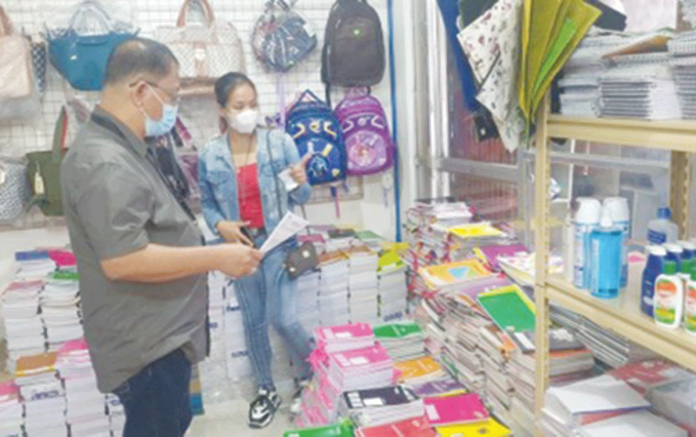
(640, 86)
(419, 370)
(392, 287)
(450, 277)
(416, 427)
(490, 427)
(362, 283)
(333, 297)
(380, 406)
(461, 409)
(403, 341)
(43, 394)
(237, 357)
(607, 347)
(117, 416)
(86, 409)
(683, 51)
(23, 325)
(307, 291)
(371, 239)
(632, 424)
(11, 410)
(570, 361)
(60, 309)
(670, 389)
(343, 429)
(568, 408)
(33, 265)
(340, 239)
(444, 386)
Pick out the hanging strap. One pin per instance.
(6, 27)
(208, 13)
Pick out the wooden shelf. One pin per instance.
(667, 135)
(623, 316)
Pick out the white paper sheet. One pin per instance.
(290, 225)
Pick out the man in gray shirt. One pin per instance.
(143, 268)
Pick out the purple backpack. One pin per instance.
(368, 143)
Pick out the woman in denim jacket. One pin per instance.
(240, 187)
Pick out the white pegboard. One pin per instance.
(200, 113)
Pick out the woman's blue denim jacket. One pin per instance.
(218, 179)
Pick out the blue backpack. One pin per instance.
(316, 131)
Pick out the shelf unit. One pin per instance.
(621, 315)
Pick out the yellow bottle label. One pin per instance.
(665, 301)
(690, 309)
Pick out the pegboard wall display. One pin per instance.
(199, 113)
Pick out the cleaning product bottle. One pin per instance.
(653, 269)
(687, 258)
(674, 253)
(617, 208)
(605, 259)
(586, 220)
(690, 304)
(569, 249)
(662, 230)
(669, 297)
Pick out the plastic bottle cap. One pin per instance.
(664, 213)
(688, 245)
(618, 209)
(670, 268)
(674, 248)
(657, 250)
(589, 211)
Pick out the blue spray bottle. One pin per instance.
(606, 244)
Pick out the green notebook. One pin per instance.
(344, 429)
(396, 331)
(509, 308)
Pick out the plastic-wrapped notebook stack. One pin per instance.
(307, 288)
(11, 410)
(362, 283)
(392, 288)
(346, 358)
(403, 341)
(333, 297)
(43, 395)
(60, 309)
(86, 408)
(23, 325)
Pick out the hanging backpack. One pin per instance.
(369, 145)
(281, 36)
(317, 132)
(353, 52)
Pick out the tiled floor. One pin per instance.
(229, 420)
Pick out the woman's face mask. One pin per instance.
(244, 122)
(242, 112)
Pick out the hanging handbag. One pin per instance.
(204, 52)
(303, 257)
(43, 171)
(18, 96)
(81, 51)
(39, 62)
(14, 189)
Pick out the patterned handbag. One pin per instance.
(14, 189)
(204, 52)
(39, 60)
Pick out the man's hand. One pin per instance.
(298, 171)
(237, 260)
(232, 232)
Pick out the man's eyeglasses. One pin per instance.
(174, 98)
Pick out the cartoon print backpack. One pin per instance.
(369, 145)
(316, 131)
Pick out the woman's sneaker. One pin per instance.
(263, 408)
(296, 403)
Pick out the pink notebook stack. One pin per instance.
(455, 410)
(342, 338)
(417, 427)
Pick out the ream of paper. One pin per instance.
(290, 225)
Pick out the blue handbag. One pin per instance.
(317, 132)
(80, 56)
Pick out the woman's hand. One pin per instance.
(232, 232)
(298, 171)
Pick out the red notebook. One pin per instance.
(417, 427)
(453, 410)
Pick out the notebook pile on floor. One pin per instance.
(403, 341)
(307, 291)
(11, 410)
(23, 325)
(600, 407)
(392, 288)
(60, 309)
(43, 395)
(85, 405)
(363, 284)
(333, 296)
(35, 264)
